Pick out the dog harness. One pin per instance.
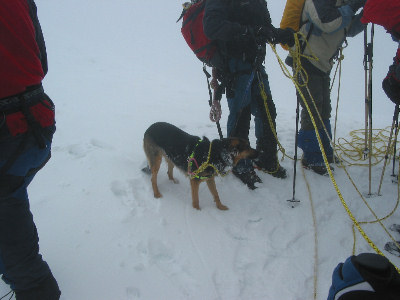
(203, 166)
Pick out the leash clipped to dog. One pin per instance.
(214, 102)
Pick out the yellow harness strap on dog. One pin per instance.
(203, 166)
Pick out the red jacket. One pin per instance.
(23, 60)
(383, 12)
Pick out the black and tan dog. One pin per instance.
(200, 159)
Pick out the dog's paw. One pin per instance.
(157, 195)
(175, 181)
(196, 207)
(222, 207)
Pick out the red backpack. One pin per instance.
(193, 33)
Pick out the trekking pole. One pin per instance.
(395, 150)
(370, 60)
(395, 117)
(208, 76)
(368, 54)
(366, 91)
(294, 201)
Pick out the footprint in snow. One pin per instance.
(82, 149)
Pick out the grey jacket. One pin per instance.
(330, 25)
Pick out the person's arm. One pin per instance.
(391, 83)
(216, 23)
(356, 26)
(327, 17)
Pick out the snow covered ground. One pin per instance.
(118, 66)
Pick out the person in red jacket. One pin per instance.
(387, 14)
(27, 126)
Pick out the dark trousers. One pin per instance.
(319, 87)
(20, 262)
(247, 101)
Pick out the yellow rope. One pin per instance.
(287, 73)
(271, 124)
(300, 70)
(352, 151)
(315, 234)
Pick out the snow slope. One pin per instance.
(118, 66)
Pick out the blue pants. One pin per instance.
(20, 262)
(247, 101)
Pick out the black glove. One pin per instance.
(356, 4)
(284, 36)
(264, 34)
(391, 85)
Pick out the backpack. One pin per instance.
(193, 32)
(291, 17)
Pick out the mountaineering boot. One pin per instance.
(47, 290)
(267, 160)
(312, 156)
(318, 168)
(278, 172)
(271, 167)
(249, 178)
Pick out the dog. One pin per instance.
(199, 159)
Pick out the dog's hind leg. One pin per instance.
(194, 184)
(155, 167)
(213, 189)
(154, 158)
(171, 171)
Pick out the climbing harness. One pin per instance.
(19, 107)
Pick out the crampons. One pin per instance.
(249, 178)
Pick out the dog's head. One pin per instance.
(238, 149)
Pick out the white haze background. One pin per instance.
(118, 66)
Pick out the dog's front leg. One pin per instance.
(171, 172)
(213, 189)
(194, 184)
